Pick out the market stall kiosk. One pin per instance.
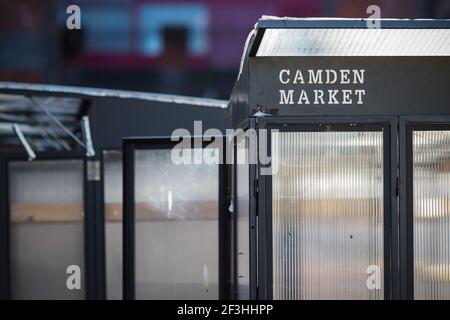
(64, 208)
(348, 193)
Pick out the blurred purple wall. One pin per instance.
(177, 46)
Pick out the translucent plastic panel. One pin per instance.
(176, 228)
(327, 215)
(355, 42)
(47, 226)
(243, 235)
(113, 222)
(431, 168)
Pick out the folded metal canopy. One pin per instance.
(67, 104)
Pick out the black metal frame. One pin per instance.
(389, 127)
(224, 250)
(252, 211)
(352, 23)
(253, 221)
(406, 126)
(4, 232)
(89, 234)
(100, 247)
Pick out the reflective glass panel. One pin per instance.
(176, 231)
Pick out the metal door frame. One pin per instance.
(407, 125)
(250, 126)
(89, 222)
(130, 145)
(389, 125)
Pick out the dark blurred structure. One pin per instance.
(179, 47)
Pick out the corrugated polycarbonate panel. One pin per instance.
(176, 231)
(327, 213)
(355, 42)
(431, 185)
(47, 229)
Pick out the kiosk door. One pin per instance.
(327, 209)
(172, 220)
(426, 209)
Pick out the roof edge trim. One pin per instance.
(31, 88)
(288, 22)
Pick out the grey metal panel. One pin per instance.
(393, 86)
(112, 119)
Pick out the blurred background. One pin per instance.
(179, 46)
